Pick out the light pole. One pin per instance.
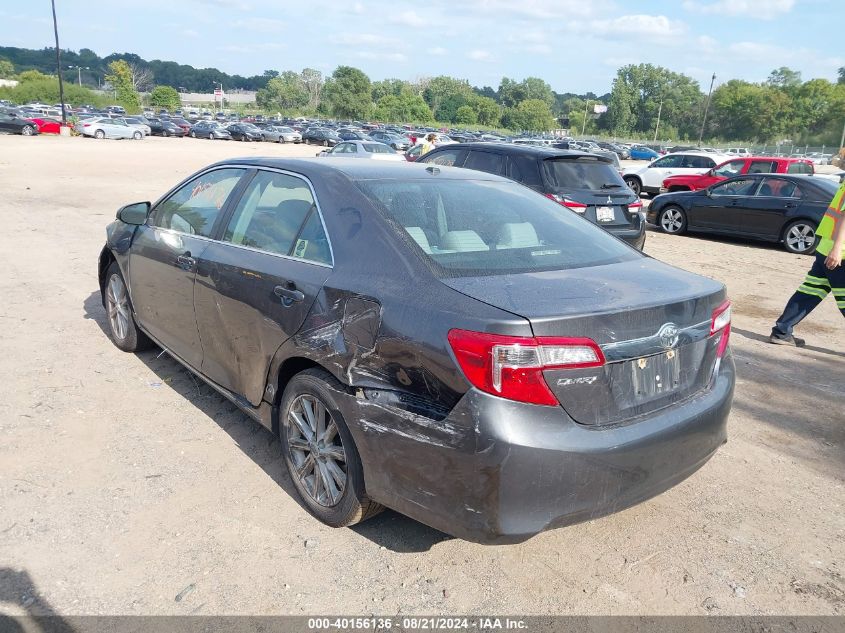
(657, 127)
(79, 72)
(584, 125)
(59, 66)
(706, 107)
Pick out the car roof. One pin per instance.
(524, 150)
(364, 169)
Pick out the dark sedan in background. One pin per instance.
(211, 130)
(770, 207)
(321, 136)
(11, 123)
(244, 132)
(541, 372)
(165, 127)
(585, 183)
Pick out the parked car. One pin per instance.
(738, 151)
(105, 127)
(321, 136)
(12, 123)
(641, 152)
(47, 126)
(244, 132)
(116, 109)
(781, 208)
(587, 184)
(397, 142)
(138, 124)
(162, 127)
(352, 135)
(650, 178)
(362, 149)
(535, 354)
(182, 123)
(280, 134)
(210, 130)
(736, 167)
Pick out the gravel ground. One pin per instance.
(126, 487)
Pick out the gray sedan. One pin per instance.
(362, 149)
(109, 128)
(280, 134)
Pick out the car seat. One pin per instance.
(517, 235)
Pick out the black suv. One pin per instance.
(585, 183)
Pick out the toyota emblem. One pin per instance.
(668, 335)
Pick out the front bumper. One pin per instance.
(497, 471)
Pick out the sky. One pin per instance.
(575, 45)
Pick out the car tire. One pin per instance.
(337, 459)
(165, 133)
(27, 130)
(634, 185)
(799, 237)
(137, 136)
(672, 220)
(325, 143)
(99, 134)
(193, 134)
(123, 331)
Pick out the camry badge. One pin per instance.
(668, 335)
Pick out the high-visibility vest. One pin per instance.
(831, 218)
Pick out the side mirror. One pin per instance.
(711, 172)
(708, 193)
(135, 213)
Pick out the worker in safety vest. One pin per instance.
(826, 275)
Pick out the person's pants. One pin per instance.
(818, 283)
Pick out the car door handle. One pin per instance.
(288, 293)
(185, 262)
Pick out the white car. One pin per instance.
(109, 128)
(650, 178)
(136, 123)
(738, 151)
(373, 150)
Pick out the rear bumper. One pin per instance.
(497, 471)
(634, 236)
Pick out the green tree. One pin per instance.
(841, 73)
(7, 69)
(784, 77)
(532, 115)
(511, 92)
(120, 78)
(466, 115)
(312, 80)
(33, 75)
(444, 95)
(285, 93)
(165, 97)
(387, 87)
(747, 111)
(487, 111)
(406, 106)
(348, 93)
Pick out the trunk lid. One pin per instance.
(652, 322)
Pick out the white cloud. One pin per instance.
(409, 18)
(639, 25)
(390, 57)
(479, 55)
(437, 50)
(367, 39)
(261, 25)
(760, 9)
(536, 9)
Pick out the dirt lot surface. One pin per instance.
(128, 488)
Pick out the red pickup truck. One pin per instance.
(736, 167)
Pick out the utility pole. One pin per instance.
(706, 107)
(59, 66)
(584, 125)
(657, 127)
(842, 140)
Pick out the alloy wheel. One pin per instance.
(117, 306)
(800, 238)
(27, 130)
(316, 450)
(671, 220)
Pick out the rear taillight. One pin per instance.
(569, 204)
(512, 366)
(721, 323)
(635, 207)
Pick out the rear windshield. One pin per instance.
(475, 227)
(377, 148)
(582, 173)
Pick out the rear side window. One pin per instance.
(667, 161)
(471, 227)
(377, 148)
(277, 214)
(737, 187)
(194, 207)
(487, 162)
(526, 170)
(582, 173)
(799, 168)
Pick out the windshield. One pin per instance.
(476, 227)
(377, 148)
(582, 173)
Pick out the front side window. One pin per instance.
(738, 187)
(194, 207)
(475, 227)
(448, 157)
(277, 214)
(732, 168)
(486, 162)
(666, 162)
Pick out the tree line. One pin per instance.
(645, 101)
